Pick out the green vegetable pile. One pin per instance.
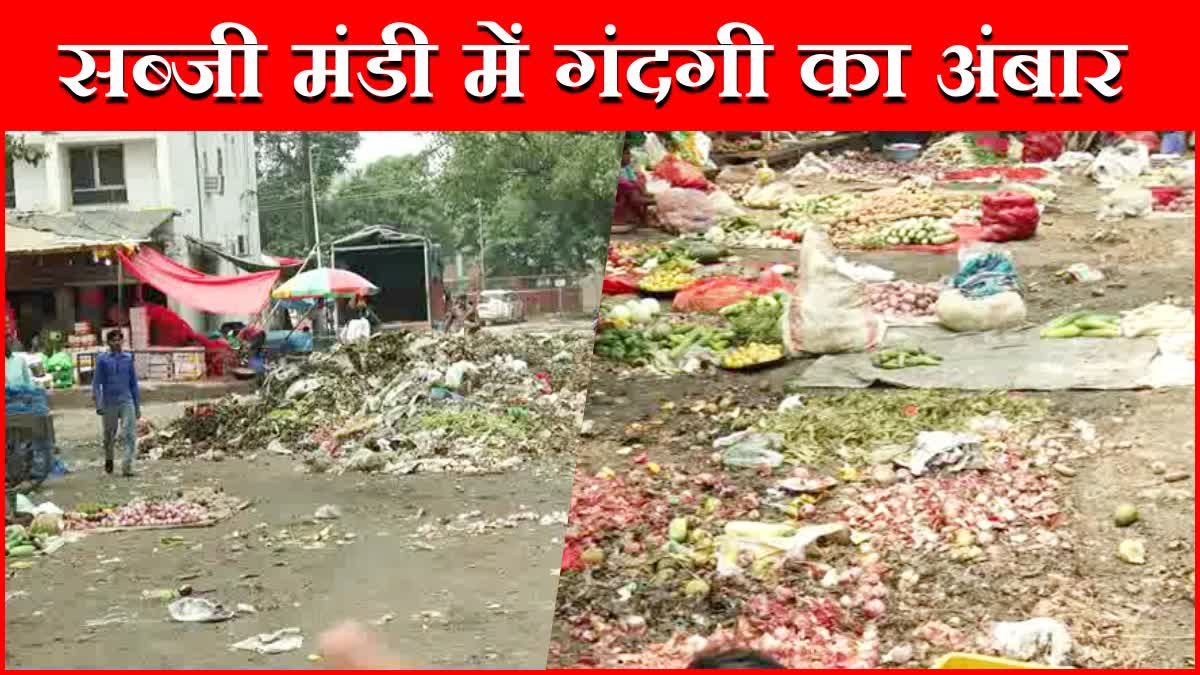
(18, 543)
(513, 424)
(904, 357)
(636, 347)
(849, 427)
(627, 345)
(757, 319)
(739, 224)
(837, 204)
(1083, 323)
(911, 231)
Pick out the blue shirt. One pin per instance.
(115, 380)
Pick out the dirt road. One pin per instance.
(458, 600)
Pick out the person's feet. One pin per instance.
(108, 466)
(127, 472)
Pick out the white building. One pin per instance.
(208, 179)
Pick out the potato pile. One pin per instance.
(903, 298)
(888, 207)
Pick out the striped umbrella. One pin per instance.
(324, 283)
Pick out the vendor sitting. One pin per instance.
(360, 308)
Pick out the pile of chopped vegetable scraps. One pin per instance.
(849, 427)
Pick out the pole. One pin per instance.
(312, 193)
(482, 248)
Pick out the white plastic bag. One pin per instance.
(1127, 201)
(684, 210)
(970, 315)
(1041, 639)
(1120, 163)
(358, 329)
(829, 312)
(723, 205)
(769, 196)
(654, 150)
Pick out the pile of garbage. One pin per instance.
(402, 403)
(663, 562)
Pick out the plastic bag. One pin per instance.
(1040, 639)
(737, 174)
(1120, 163)
(1009, 216)
(750, 449)
(685, 210)
(681, 174)
(828, 312)
(961, 314)
(710, 295)
(1129, 201)
(723, 205)
(653, 149)
(770, 196)
(1043, 146)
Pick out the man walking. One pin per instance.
(115, 389)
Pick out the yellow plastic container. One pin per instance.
(960, 661)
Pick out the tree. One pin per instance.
(284, 206)
(543, 201)
(17, 149)
(395, 191)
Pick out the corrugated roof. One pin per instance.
(31, 233)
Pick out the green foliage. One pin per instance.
(541, 201)
(285, 210)
(17, 149)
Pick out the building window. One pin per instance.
(241, 244)
(10, 187)
(98, 176)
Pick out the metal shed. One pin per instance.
(406, 267)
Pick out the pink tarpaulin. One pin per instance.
(244, 294)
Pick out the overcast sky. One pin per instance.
(378, 144)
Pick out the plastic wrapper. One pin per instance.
(685, 210)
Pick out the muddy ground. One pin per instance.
(1144, 260)
(468, 601)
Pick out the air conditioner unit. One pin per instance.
(214, 185)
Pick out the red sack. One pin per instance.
(1042, 146)
(1009, 216)
(679, 173)
(713, 294)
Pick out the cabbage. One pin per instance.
(641, 313)
(620, 312)
(655, 308)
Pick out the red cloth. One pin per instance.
(10, 322)
(167, 329)
(715, 293)
(244, 294)
(620, 285)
